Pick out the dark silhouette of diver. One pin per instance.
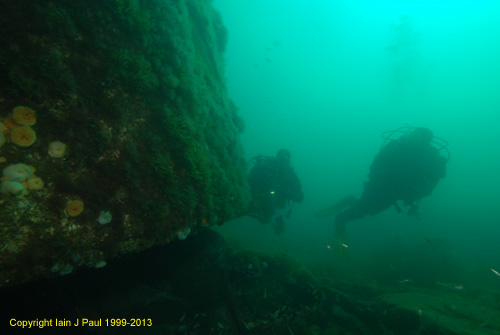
(274, 185)
(406, 169)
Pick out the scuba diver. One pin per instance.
(274, 185)
(406, 169)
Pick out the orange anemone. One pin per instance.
(23, 136)
(74, 208)
(24, 116)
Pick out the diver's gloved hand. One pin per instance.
(340, 240)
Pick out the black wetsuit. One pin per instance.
(272, 186)
(402, 171)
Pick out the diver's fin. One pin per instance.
(335, 208)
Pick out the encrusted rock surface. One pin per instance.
(136, 91)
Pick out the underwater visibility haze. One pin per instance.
(325, 79)
(162, 106)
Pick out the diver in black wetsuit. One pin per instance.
(406, 169)
(274, 185)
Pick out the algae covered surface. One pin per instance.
(135, 92)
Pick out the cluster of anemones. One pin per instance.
(18, 178)
(17, 126)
